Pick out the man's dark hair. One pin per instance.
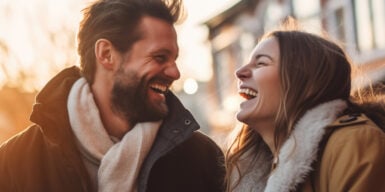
(117, 21)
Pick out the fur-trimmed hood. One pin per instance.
(296, 155)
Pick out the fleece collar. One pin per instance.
(297, 153)
(300, 150)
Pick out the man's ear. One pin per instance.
(103, 53)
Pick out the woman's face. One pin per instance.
(259, 84)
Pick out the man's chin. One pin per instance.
(152, 117)
(154, 114)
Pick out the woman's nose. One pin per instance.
(242, 72)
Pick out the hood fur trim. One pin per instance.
(300, 150)
(296, 155)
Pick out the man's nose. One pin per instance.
(172, 71)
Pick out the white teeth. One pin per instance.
(248, 91)
(159, 87)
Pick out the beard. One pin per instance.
(130, 99)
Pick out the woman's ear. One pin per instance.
(103, 53)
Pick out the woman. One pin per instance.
(303, 131)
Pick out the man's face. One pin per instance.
(146, 72)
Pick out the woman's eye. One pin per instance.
(258, 64)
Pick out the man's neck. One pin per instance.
(115, 124)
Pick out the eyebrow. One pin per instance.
(263, 55)
(166, 51)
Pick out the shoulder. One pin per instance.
(202, 138)
(194, 165)
(22, 143)
(354, 155)
(198, 149)
(202, 144)
(354, 128)
(20, 150)
(356, 140)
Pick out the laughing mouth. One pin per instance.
(248, 93)
(159, 88)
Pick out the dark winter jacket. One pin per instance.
(45, 157)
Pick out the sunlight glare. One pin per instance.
(190, 86)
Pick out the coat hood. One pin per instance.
(50, 108)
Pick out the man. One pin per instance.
(113, 125)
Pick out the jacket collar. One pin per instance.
(300, 150)
(297, 153)
(177, 127)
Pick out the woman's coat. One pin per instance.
(353, 158)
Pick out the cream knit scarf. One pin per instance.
(120, 162)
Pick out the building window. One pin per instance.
(336, 23)
(273, 14)
(364, 26)
(340, 24)
(339, 18)
(370, 19)
(379, 22)
(308, 14)
(225, 67)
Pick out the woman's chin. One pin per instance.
(241, 117)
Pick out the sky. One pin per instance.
(28, 28)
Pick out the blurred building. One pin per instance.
(358, 25)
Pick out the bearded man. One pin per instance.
(113, 124)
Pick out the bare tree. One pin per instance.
(39, 40)
(36, 41)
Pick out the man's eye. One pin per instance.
(160, 58)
